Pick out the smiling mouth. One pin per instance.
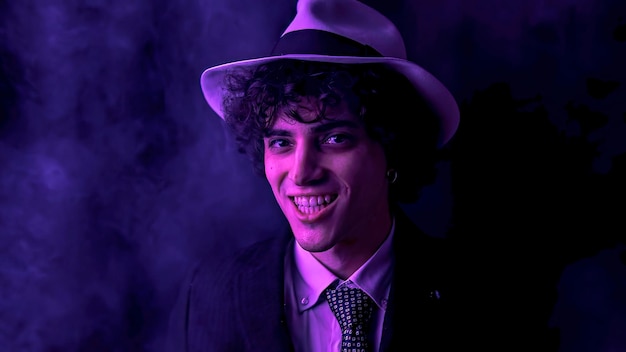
(313, 204)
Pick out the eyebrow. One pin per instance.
(325, 127)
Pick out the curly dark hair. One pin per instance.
(393, 112)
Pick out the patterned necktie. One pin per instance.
(353, 309)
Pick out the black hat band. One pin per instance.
(319, 42)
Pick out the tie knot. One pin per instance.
(353, 309)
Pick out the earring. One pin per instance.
(392, 175)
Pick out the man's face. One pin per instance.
(328, 178)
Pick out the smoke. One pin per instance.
(115, 176)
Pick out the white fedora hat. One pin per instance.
(343, 31)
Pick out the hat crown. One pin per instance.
(351, 19)
(346, 32)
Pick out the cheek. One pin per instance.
(272, 172)
(269, 171)
(268, 166)
(373, 160)
(373, 170)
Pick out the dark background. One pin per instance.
(115, 174)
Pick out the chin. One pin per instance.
(312, 241)
(314, 247)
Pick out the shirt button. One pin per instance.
(305, 301)
(434, 295)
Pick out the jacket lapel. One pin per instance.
(418, 308)
(260, 303)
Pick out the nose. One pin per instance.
(306, 168)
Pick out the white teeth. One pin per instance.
(310, 210)
(312, 201)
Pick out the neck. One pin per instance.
(348, 256)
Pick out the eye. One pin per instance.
(277, 143)
(338, 138)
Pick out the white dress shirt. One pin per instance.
(312, 324)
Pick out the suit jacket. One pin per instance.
(238, 304)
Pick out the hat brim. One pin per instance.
(434, 92)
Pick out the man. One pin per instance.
(344, 128)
